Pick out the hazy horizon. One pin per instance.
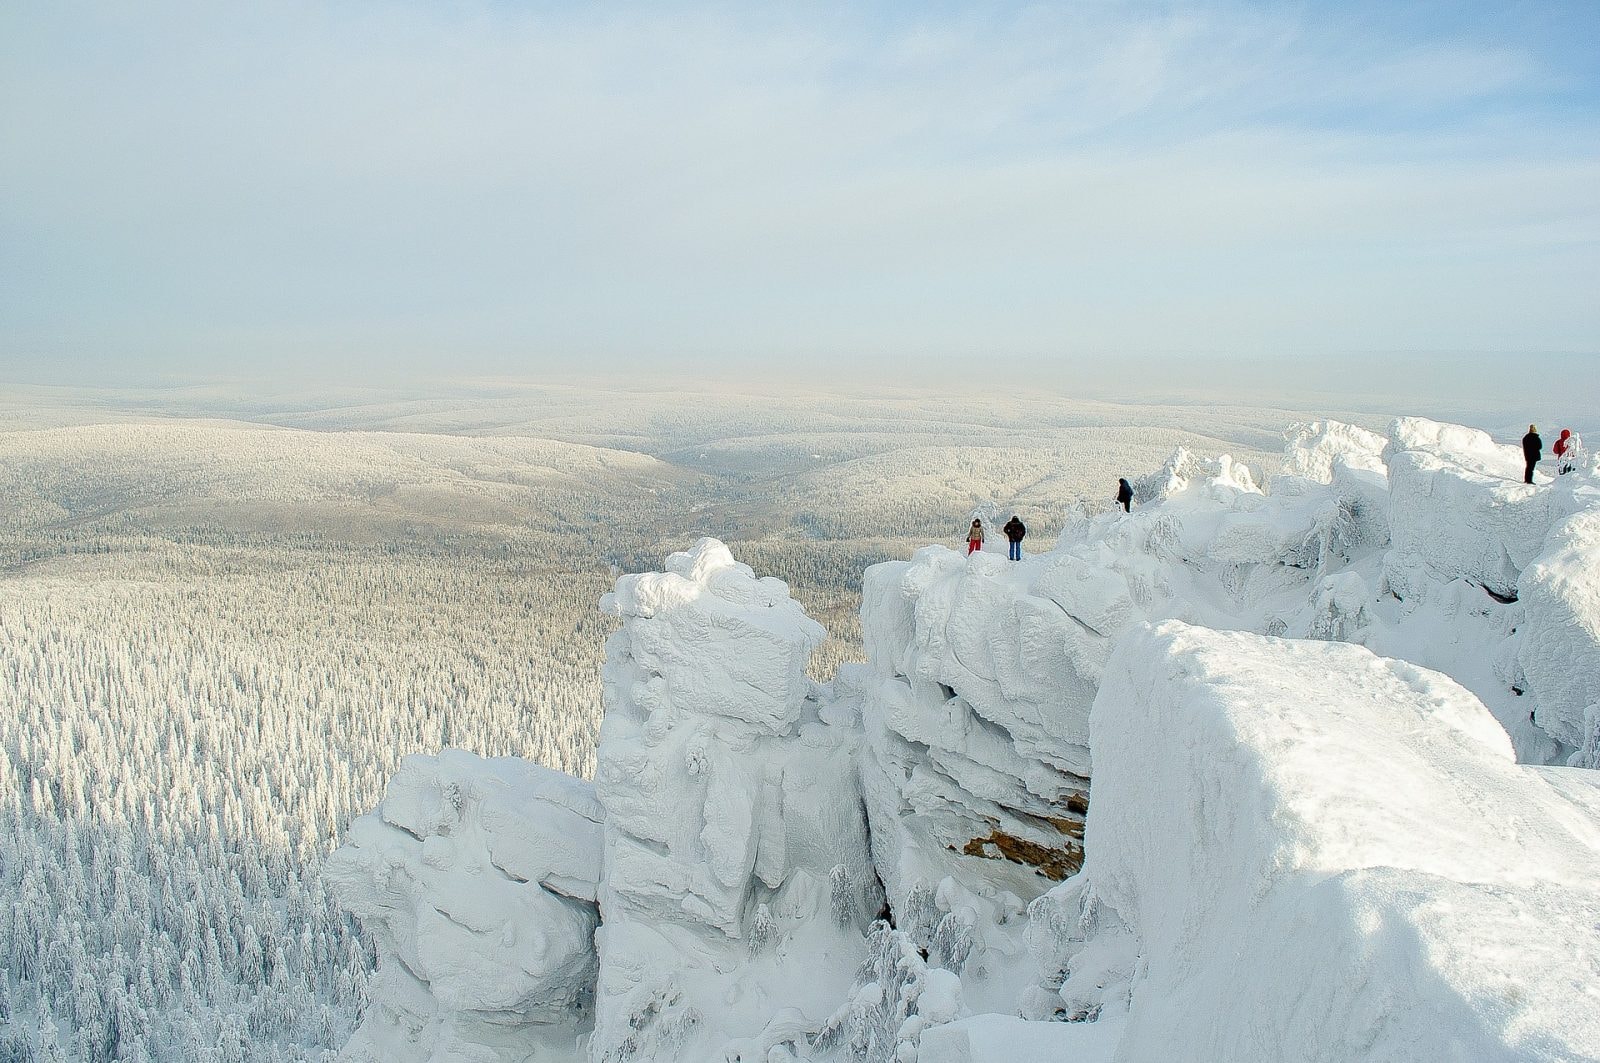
(422, 191)
(1505, 389)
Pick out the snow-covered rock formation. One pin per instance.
(477, 878)
(976, 713)
(1341, 860)
(1459, 509)
(1294, 848)
(735, 841)
(1315, 450)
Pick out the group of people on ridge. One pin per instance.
(1015, 529)
(1566, 449)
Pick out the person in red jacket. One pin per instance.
(1566, 451)
(975, 536)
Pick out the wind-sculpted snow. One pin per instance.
(976, 714)
(737, 878)
(984, 671)
(1184, 468)
(478, 880)
(1299, 850)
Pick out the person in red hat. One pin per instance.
(1566, 450)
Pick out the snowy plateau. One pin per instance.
(1242, 775)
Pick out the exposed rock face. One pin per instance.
(732, 808)
(477, 879)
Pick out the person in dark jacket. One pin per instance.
(1125, 494)
(1015, 530)
(1533, 450)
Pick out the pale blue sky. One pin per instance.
(366, 189)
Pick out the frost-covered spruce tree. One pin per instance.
(896, 996)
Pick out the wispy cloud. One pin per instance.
(505, 187)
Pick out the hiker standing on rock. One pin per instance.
(975, 537)
(1533, 450)
(1125, 494)
(1015, 530)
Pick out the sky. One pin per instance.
(918, 191)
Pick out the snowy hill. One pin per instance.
(1294, 848)
(177, 473)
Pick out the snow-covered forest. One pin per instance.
(218, 639)
(188, 730)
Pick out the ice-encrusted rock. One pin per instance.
(976, 711)
(477, 879)
(1185, 468)
(737, 879)
(1316, 853)
(1458, 509)
(1339, 608)
(732, 815)
(1325, 458)
(1314, 449)
(714, 637)
(983, 670)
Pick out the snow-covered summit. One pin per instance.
(1294, 848)
(712, 636)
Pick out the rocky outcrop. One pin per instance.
(735, 841)
(1239, 782)
(1559, 651)
(477, 879)
(975, 710)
